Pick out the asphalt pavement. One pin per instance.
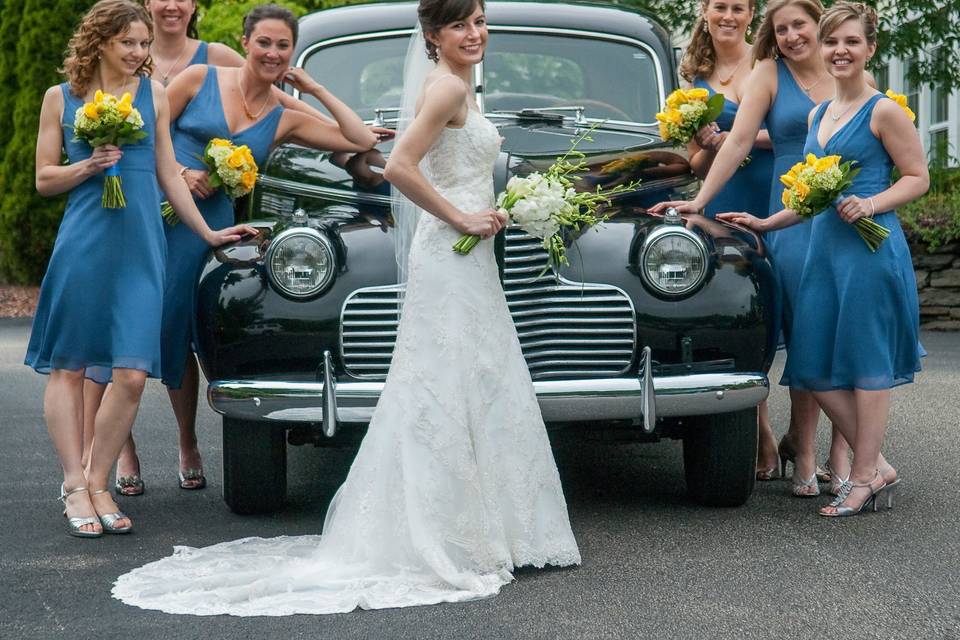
(654, 564)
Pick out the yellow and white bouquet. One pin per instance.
(901, 100)
(230, 166)
(817, 183)
(109, 120)
(545, 204)
(687, 111)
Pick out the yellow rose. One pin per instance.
(248, 179)
(788, 179)
(235, 159)
(220, 142)
(698, 94)
(811, 160)
(802, 190)
(91, 111)
(797, 168)
(785, 198)
(664, 134)
(248, 156)
(125, 106)
(676, 99)
(825, 163)
(98, 96)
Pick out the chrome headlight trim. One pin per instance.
(321, 241)
(661, 234)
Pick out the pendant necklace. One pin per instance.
(165, 76)
(849, 106)
(723, 82)
(807, 90)
(243, 101)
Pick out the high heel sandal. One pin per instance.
(836, 482)
(787, 453)
(75, 523)
(808, 488)
(192, 479)
(109, 520)
(129, 486)
(836, 509)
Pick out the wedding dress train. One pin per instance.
(454, 484)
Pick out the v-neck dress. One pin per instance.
(749, 188)
(201, 120)
(860, 323)
(100, 301)
(787, 125)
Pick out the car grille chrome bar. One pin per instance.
(566, 329)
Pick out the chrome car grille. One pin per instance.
(566, 329)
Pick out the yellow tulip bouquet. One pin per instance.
(688, 111)
(230, 166)
(109, 120)
(817, 183)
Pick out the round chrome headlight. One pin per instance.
(673, 261)
(301, 262)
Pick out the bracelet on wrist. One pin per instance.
(873, 207)
(182, 171)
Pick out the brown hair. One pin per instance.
(765, 46)
(270, 12)
(436, 14)
(106, 19)
(700, 57)
(192, 25)
(843, 11)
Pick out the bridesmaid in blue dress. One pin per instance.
(788, 78)
(110, 331)
(719, 56)
(175, 47)
(860, 327)
(239, 104)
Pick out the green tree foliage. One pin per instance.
(11, 11)
(222, 21)
(28, 223)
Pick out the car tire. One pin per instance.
(254, 466)
(720, 457)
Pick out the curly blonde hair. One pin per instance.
(106, 19)
(700, 57)
(765, 45)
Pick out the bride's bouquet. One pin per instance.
(817, 183)
(545, 204)
(108, 120)
(230, 166)
(687, 111)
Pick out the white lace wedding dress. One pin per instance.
(454, 484)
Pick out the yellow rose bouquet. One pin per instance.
(817, 183)
(109, 120)
(230, 166)
(687, 111)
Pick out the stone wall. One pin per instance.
(938, 285)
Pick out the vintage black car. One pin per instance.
(661, 327)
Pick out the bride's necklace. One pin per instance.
(164, 76)
(243, 101)
(849, 106)
(723, 82)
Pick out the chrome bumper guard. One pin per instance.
(645, 398)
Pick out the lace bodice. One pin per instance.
(460, 163)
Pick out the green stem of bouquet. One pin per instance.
(168, 214)
(873, 234)
(113, 193)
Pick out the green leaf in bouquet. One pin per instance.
(714, 108)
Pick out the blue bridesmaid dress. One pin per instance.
(860, 324)
(200, 55)
(787, 125)
(100, 300)
(201, 120)
(749, 188)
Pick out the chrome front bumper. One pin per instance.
(330, 402)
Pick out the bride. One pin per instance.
(454, 484)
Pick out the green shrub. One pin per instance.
(28, 222)
(934, 219)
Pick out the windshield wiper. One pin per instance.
(546, 114)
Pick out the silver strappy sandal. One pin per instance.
(109, 521)
(74, 524)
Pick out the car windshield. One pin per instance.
(522, 70)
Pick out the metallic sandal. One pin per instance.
(836, 508)
(109, 521)
(131, 485)
(836, 482)
(74, 524)
(192, 479)
(808, 488)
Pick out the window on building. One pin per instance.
(911, 88)
(939, 98)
